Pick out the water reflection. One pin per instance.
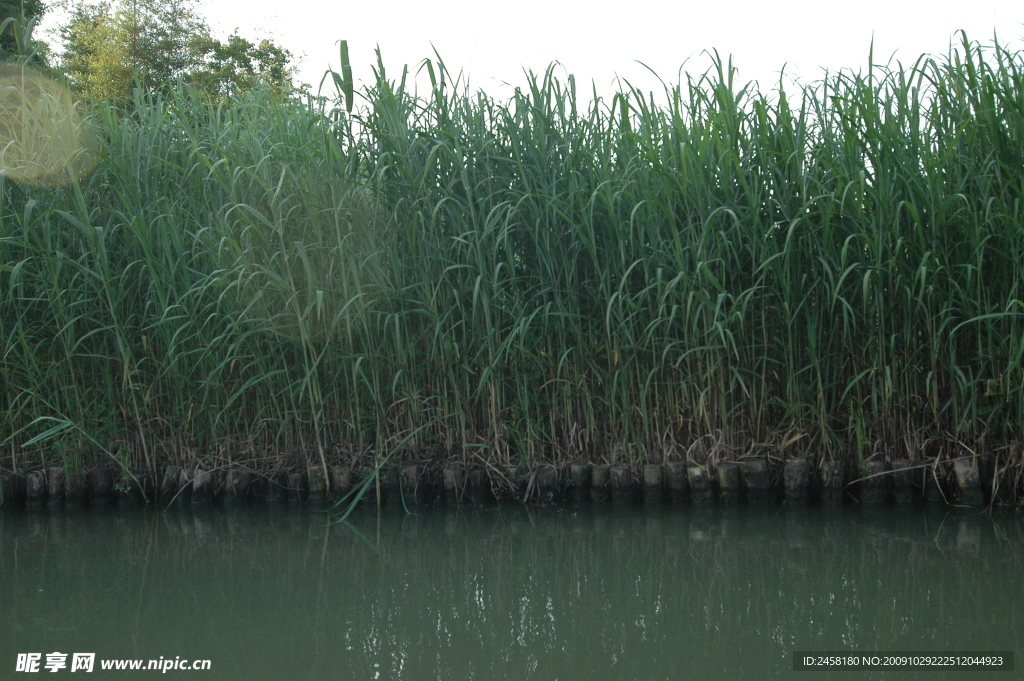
(500, 593)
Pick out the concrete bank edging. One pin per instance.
(751, 481)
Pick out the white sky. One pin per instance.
(595, 40)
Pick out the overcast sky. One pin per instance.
(492, 42)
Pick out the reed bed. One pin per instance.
(711, 273)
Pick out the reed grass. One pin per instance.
(707, 274)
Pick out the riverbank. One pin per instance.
(962, 483)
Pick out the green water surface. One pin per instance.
(509, 592)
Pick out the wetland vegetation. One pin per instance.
(718, 271)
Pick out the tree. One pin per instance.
(109, 48)
(94, 60)
(238, 65)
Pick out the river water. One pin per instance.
(509, 592)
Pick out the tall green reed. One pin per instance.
(707, 274)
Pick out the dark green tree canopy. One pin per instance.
(232, 67)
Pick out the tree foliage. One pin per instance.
(232, 67)
(112, 47)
